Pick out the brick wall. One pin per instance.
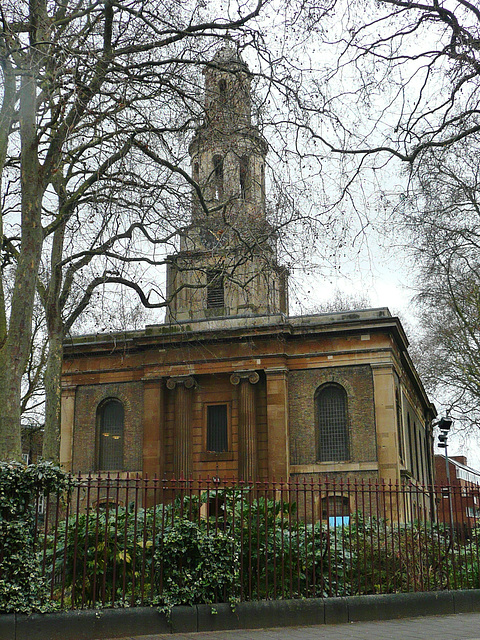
(358, 383)
(87, 401)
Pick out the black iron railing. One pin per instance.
(133, 541)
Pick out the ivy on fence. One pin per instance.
(22, 586)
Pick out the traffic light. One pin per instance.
(442, 440)
(444, 424)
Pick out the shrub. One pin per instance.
(195, 565)
(100, 556)
(22, 587)
(229, 545)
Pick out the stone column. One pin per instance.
(277, 423)
(153, 427)
(182, 439)
(247, 428)
(66, 428)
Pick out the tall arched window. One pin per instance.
(196, 171)
(398, 407)
(332, 427)
(110, 444)
(243, 169)
(218, 177)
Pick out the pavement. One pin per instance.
(461, 626)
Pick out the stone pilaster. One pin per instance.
(277, 423)
(66, 428)
(182, 444)
(247, 428)
(153, 427)
(385, 418)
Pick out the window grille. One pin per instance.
(217, 428)
(111, 436)
(421, 467)
(411, 445)
(215, 290)
(332, 432)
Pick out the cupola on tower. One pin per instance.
(227, 263)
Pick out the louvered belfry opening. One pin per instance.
(111, 436)
(217, 428)
(215, 290)
(332, 431)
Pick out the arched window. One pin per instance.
(243, 167)
(398, 408)
(110, 442)
(332, 428)
(218, 176)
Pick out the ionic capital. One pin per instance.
(187, 381)
(238, 376)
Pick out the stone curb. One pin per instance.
(86, 625)
(118, 623)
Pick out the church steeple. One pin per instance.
(227, 261)
(228, 152)
(227, 90)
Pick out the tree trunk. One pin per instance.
(14, 351)
(53, 305)
(53, 397)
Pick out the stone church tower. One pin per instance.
(227, 263)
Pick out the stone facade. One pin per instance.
(266, 372)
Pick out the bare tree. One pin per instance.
(87, 89)
(342, 301)
(398, 104)
(442, 217)
(402, 77)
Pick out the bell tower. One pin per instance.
(227, 263)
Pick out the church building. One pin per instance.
(230, 385)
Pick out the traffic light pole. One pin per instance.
(447, 465)
(444, 425)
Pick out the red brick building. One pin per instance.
(464, 493)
